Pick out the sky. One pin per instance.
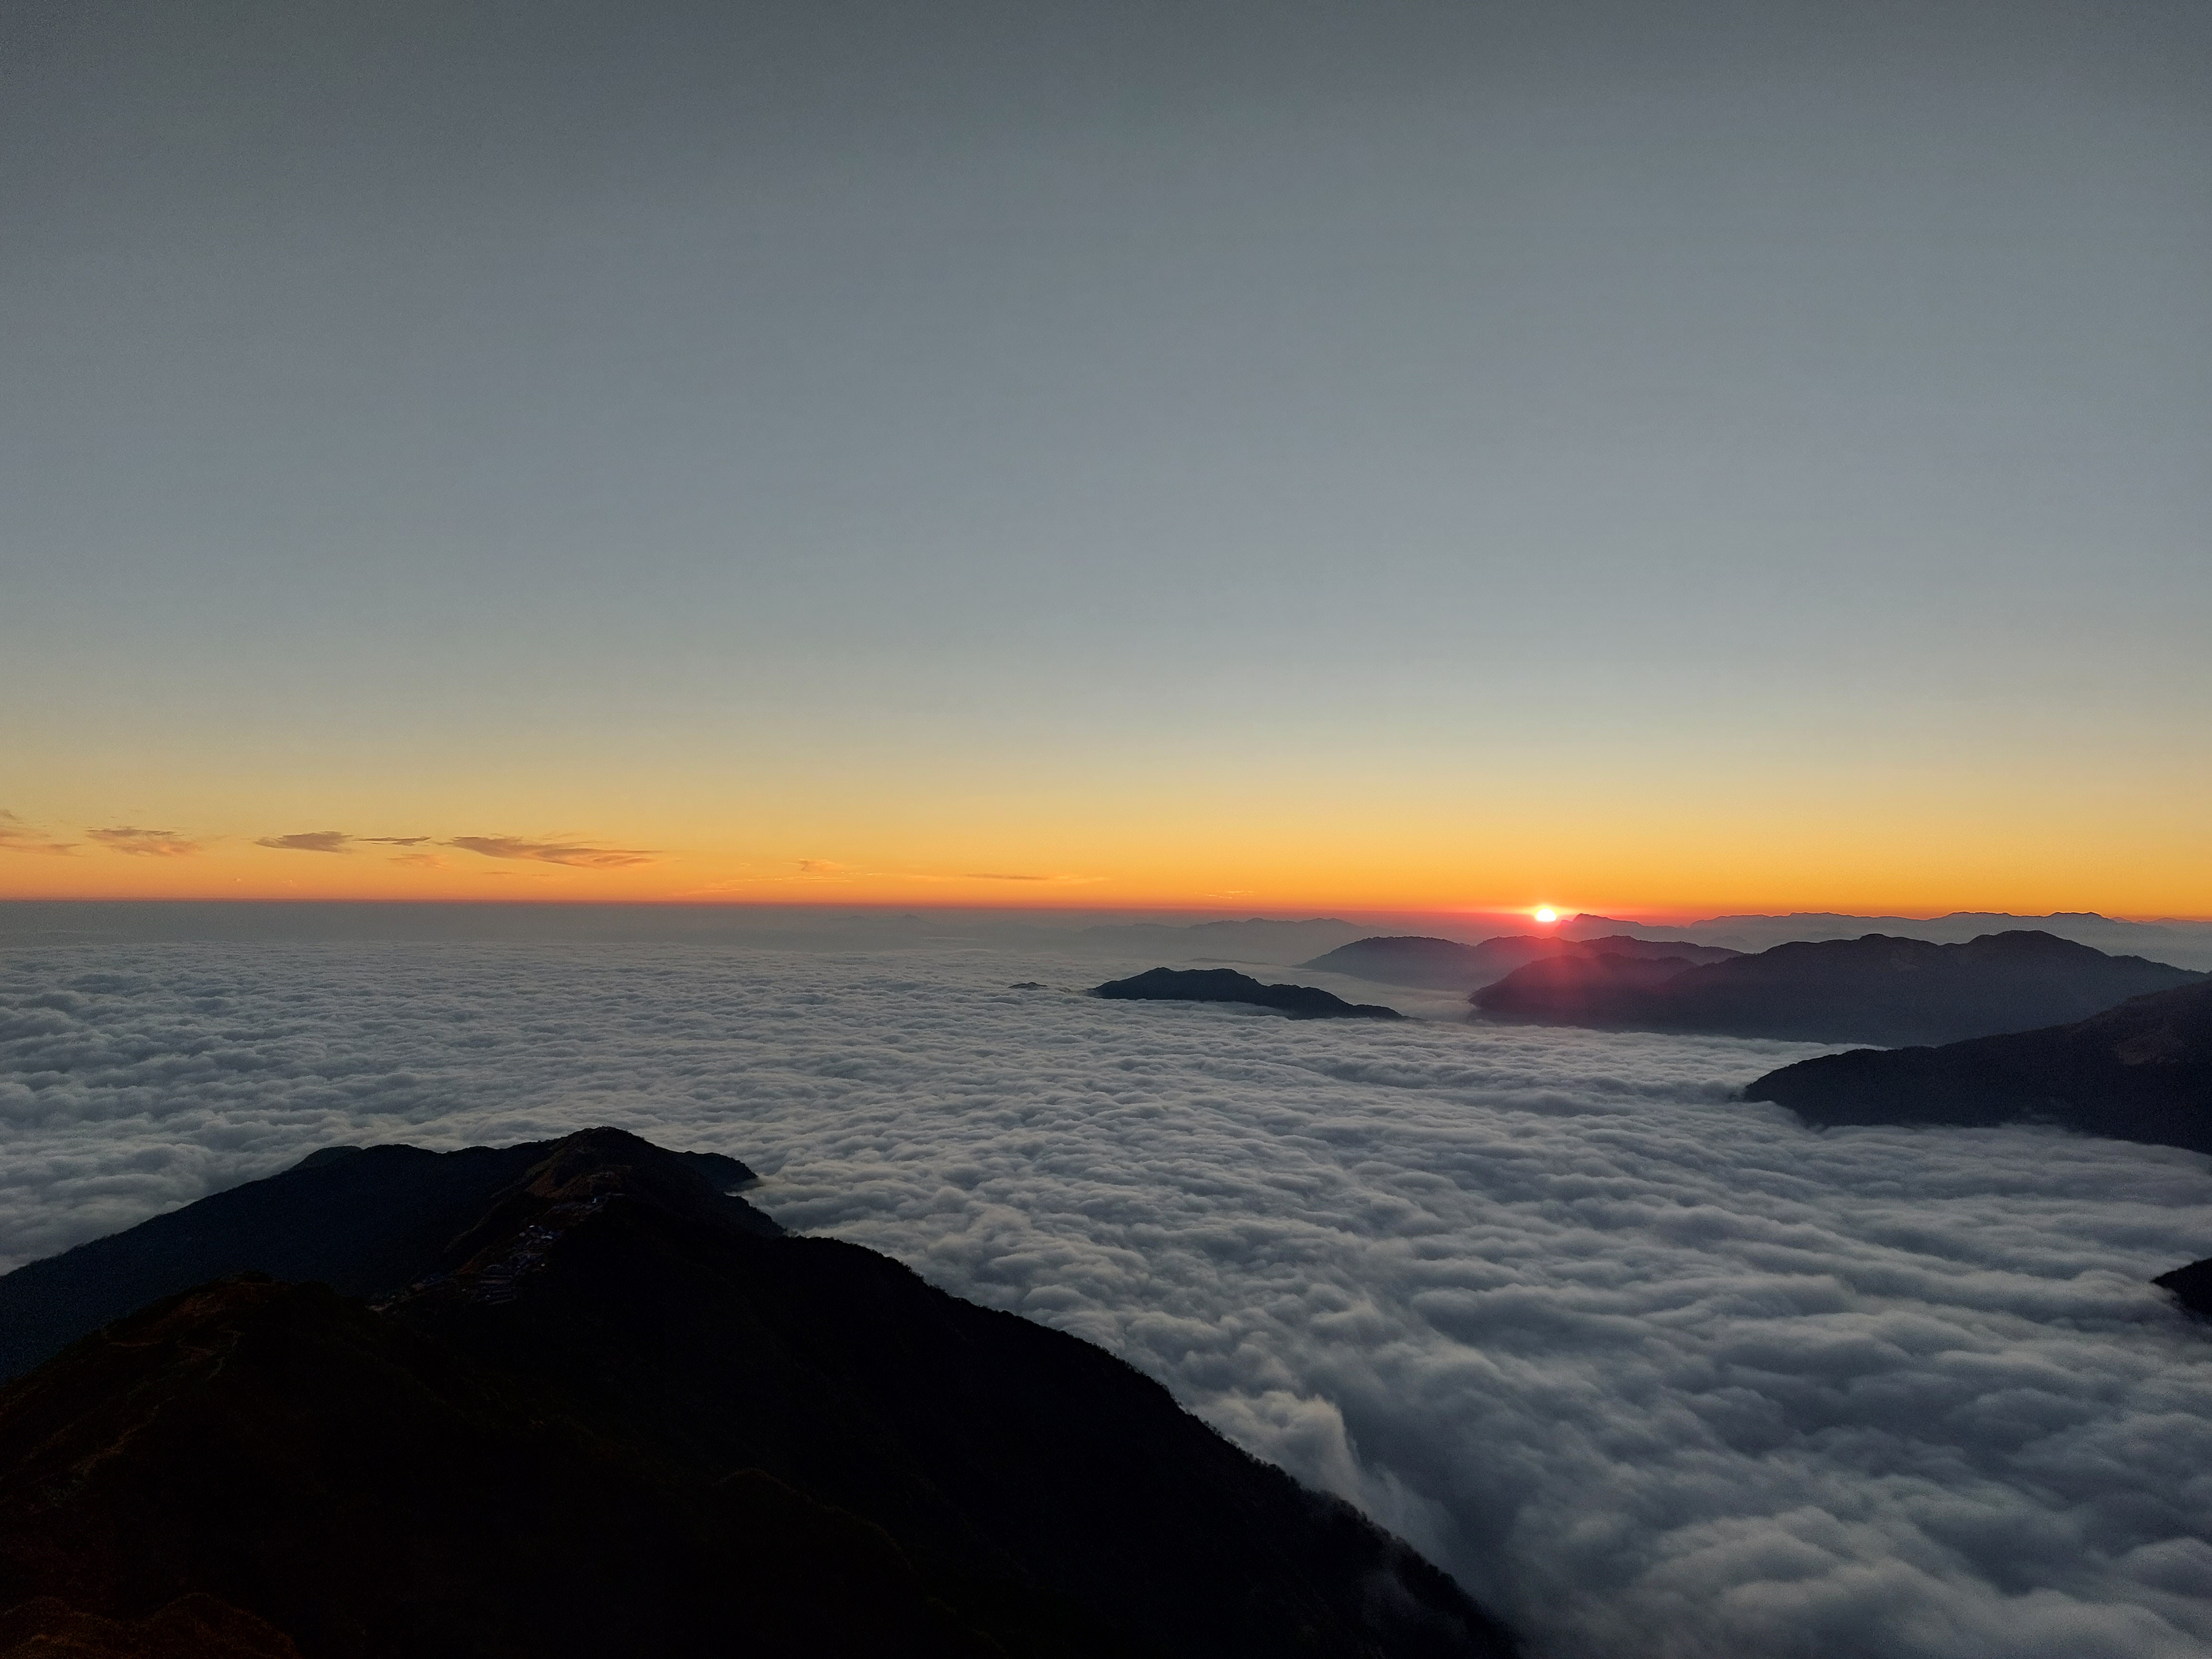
(1698, 458)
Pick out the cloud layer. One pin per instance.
(307, 841)
(145, 844)
(552, 852)
(17, 837)
(1654, 1372)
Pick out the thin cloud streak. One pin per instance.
(17, 837)
(1060, 881)
(571, 854)
(333, 840)
(145, 844)
(307, 841)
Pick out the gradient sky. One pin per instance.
(1730, 456)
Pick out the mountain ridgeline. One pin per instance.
(1876, 989)
(596, 1403)
(2139, 1071)
(359, 1220)
(1442, 964)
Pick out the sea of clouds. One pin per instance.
(1652, 1372)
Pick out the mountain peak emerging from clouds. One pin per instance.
(1226, 985)
(2142, 1070)
(1876, 989)
(1445, 964)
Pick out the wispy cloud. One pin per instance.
(334, 840)
(829, 872)
(421, 860)
(571, 853)
(17, 837)
(145, 844)
(309, 841)
(995, 875)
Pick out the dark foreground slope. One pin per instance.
(1876, 989)
(1227, 985)
(2140, 1072)
(1443, 965)
(615, 1415)
(340, 1485)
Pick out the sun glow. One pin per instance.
(1545, 913)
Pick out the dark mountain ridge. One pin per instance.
(617, 1410)
(1227, 985)
(1876, 989)
(2184, 944)
(358, 1219)
(2139, 1071)
(1443, 965)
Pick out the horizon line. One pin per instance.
(1683, 915)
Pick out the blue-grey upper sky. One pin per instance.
(985, 398)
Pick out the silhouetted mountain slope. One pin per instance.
(2184, 944)
(2140, 1072)
(1578, 990)
(615, 1415)
(1442, 964)
(193, 1626)
(2191, 1286)
(1875, 989)
(1226, 985)
(358, 1219)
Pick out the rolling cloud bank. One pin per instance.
(1650, 1370)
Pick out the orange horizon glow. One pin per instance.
(237, 869)
(1262, 847)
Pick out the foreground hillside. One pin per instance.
(617, 1411)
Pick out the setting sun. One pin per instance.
(1545, 913)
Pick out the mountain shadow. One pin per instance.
(617, 1410)
(1877, 989)
(2140, 1072)
(1442, 964)
(1227, 985)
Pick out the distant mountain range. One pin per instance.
(1253, 939)
(2141, 1072)
(1226, 985)
(2184, 944)
(1442, 964)
(616, 1410)
(1877, 989)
